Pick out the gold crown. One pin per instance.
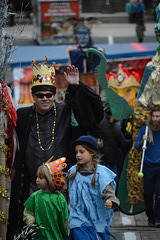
(123, 78)
(42, 75)
(54, 168)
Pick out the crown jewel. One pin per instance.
(54, 168)
(43, 75)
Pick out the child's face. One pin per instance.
(42, 183)
(84, 157)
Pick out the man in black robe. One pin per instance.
(46, 129)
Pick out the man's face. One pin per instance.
(43, 101)
(155, 121)
(156, 116)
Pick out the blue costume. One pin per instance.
(151, 170)
(151, 147)
(88, 215)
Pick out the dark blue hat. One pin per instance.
(87, 141)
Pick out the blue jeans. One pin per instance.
(152, 189)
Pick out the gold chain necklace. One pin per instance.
(53, 130)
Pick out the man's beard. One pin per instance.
(155, 125)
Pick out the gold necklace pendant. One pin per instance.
(53, 130)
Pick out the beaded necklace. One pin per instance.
(53, 130)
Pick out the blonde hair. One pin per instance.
(95, 159)
(43, 171)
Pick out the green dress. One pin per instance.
(51, 211)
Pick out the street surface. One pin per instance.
(135, 227)
(100, 33)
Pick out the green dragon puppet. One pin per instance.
(120, 108)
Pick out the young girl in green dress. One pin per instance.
(47, 207)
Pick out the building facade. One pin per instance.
(103, 6)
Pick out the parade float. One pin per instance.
(130, 188)
(130, 185)
(125, 83)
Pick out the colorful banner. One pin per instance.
(59, 11)
(22, 78)
(54, 23)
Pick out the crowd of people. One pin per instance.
(88, 150)
(135, 10)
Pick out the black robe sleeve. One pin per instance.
(86, 105)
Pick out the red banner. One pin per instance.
(59, 11)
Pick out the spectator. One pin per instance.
(128, 9)
(111, 139)
(135, 11)
(141, 7)
(140, 28)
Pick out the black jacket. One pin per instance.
(113, 139)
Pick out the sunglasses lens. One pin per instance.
(49, 95)
(41, 95)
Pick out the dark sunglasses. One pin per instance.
(42, 95)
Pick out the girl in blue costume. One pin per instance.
(91, 192)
